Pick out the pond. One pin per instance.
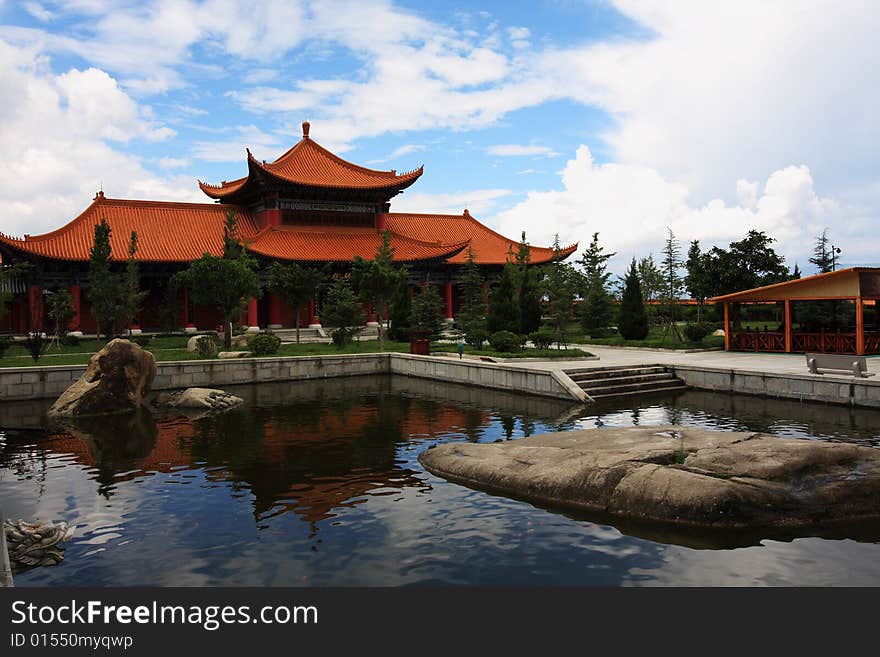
(318, 484)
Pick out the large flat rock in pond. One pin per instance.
(679, 475)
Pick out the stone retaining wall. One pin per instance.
(49, 382)
(830, 389)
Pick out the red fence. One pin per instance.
(827, 343)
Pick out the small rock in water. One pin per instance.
(32, 545)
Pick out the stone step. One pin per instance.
(623, 380)
(612, 372)
(594, 390)
(672, 388)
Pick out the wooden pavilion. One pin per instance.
(835, 312)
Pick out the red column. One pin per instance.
(35, 307)
(252, 319)
(788, 327)
(447, 293)
(860, 328)
(368, 311)
(726, 326)
(311, 312)
(75, 293)
(274, 310)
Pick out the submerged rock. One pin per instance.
(679, 475)
(200, 398)
(35, 544)
(117, 379)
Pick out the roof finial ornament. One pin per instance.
(99, 195)
(306, 126)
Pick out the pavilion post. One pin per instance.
(860, 327)
(447, 289)
(253, 318)
(788, 327)
(726, 326)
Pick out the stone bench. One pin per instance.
(844, 363)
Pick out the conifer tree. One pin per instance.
(528, 294)
(672, 281)
(597, 310)
(296, 284)
(503, 314)
(424, 316)
(398, 315)
(558, 287)
(377, 279)
(471, 318)
(131, 297)
(632, 320)
(104, 287)
(342, 310)
(697, 280)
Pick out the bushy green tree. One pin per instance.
(632, 319)
(597, 308)
(377, 279)
(105, 288)
(503, 314)
(697, 280)
(343, 311)
(59, 307)
(226, 284)
(650, 278)
(296, 284)
(131, 297)
(471, 318)
(401, 305)
(528, 290)
(424, 317)
(559, 284)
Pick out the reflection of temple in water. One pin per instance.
(307, 458)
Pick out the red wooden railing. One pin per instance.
(821, 342)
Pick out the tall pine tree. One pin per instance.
(632, 320)
(597, 310)
(503, 314)
(528, 294)
(104, 287)
(672, 281)
(132, 297)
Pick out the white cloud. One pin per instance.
(400, 151)
(262, 145)
(38, 11)
(479, 202)
(172, 162)
(631, 206)
(514, 150)
(55, 134)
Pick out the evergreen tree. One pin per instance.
(672, 281)
(377, 279)
(401, 305)
(296, 284)
(696, 281)
(503, 314)
(559, 286)
(60, 310)
(471, 318)
(796, 272)
(632, 320)
(650, 278)
(597, 310)
(825, 254)
(232, 246)
(424, 317)
(131, 298)
(528, 293)
(104, 287)
(223, 283)
(343, 311)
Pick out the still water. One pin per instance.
(318, 484)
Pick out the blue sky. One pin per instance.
(554, 116)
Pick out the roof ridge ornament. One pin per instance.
(305, 126)
(99, 195)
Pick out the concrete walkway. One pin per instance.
(753, 362)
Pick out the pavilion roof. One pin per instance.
(489, 247)
(167, 231)
(848, 283)
(343, 243)
(311, 165)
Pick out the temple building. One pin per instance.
(308, 206)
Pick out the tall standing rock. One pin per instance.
(117, 379)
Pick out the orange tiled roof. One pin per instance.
(489, 247)
(343, 243)
(310, 164)
(167, 231)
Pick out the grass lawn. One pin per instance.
(656, 339)
(525, 353)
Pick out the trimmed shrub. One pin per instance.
(505, 341)
(70, 340)
(696, 332)
(542, 339)
(265, 344)
(477, 337)
(206, 346)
